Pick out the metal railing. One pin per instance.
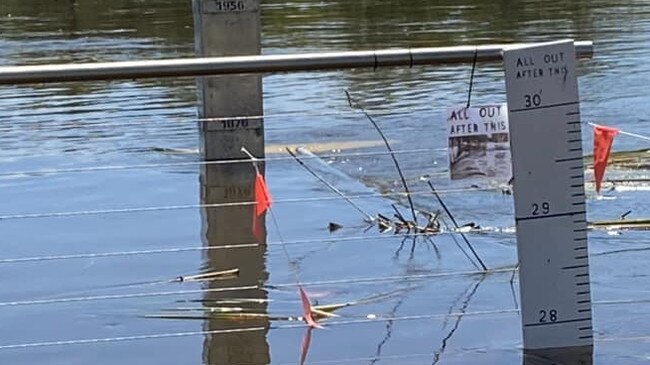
(260, 64)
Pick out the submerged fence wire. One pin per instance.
(225, 205)
(36, 173)
(380, 112)
(370, 280)
(367, 320)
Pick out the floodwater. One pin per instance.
(107, 310)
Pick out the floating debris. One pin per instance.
(233, 301)
(470, 227)
(208, 309)
(622, 184)
(316, 313)
(212, 275)
(622, 224)
(634, 160)
(222, 316)
(384, 223)
(333, 227)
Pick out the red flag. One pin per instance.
(262, 202)
(603, 138)
(306, 309)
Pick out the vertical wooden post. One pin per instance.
(231, 28)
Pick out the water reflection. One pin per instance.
(562, 356)
(227, 225)
(121, 117)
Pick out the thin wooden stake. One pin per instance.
(329, 185)
(451, 216)
(392, 154)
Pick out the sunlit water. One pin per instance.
(120, 123)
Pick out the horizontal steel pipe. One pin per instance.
(257, 64)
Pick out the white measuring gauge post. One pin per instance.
(550, 208)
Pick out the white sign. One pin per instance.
(479, 145)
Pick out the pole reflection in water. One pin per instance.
(231, 225)
(562, 356)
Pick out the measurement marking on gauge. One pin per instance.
(572, 113)
(549, 216)
(583, 292)
(538, 324)
(542, 107)
(569, 159)
(573, 267)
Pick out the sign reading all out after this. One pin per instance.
(479, 145)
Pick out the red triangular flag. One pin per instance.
(306, 309)
(603, 138)
(262, 202)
